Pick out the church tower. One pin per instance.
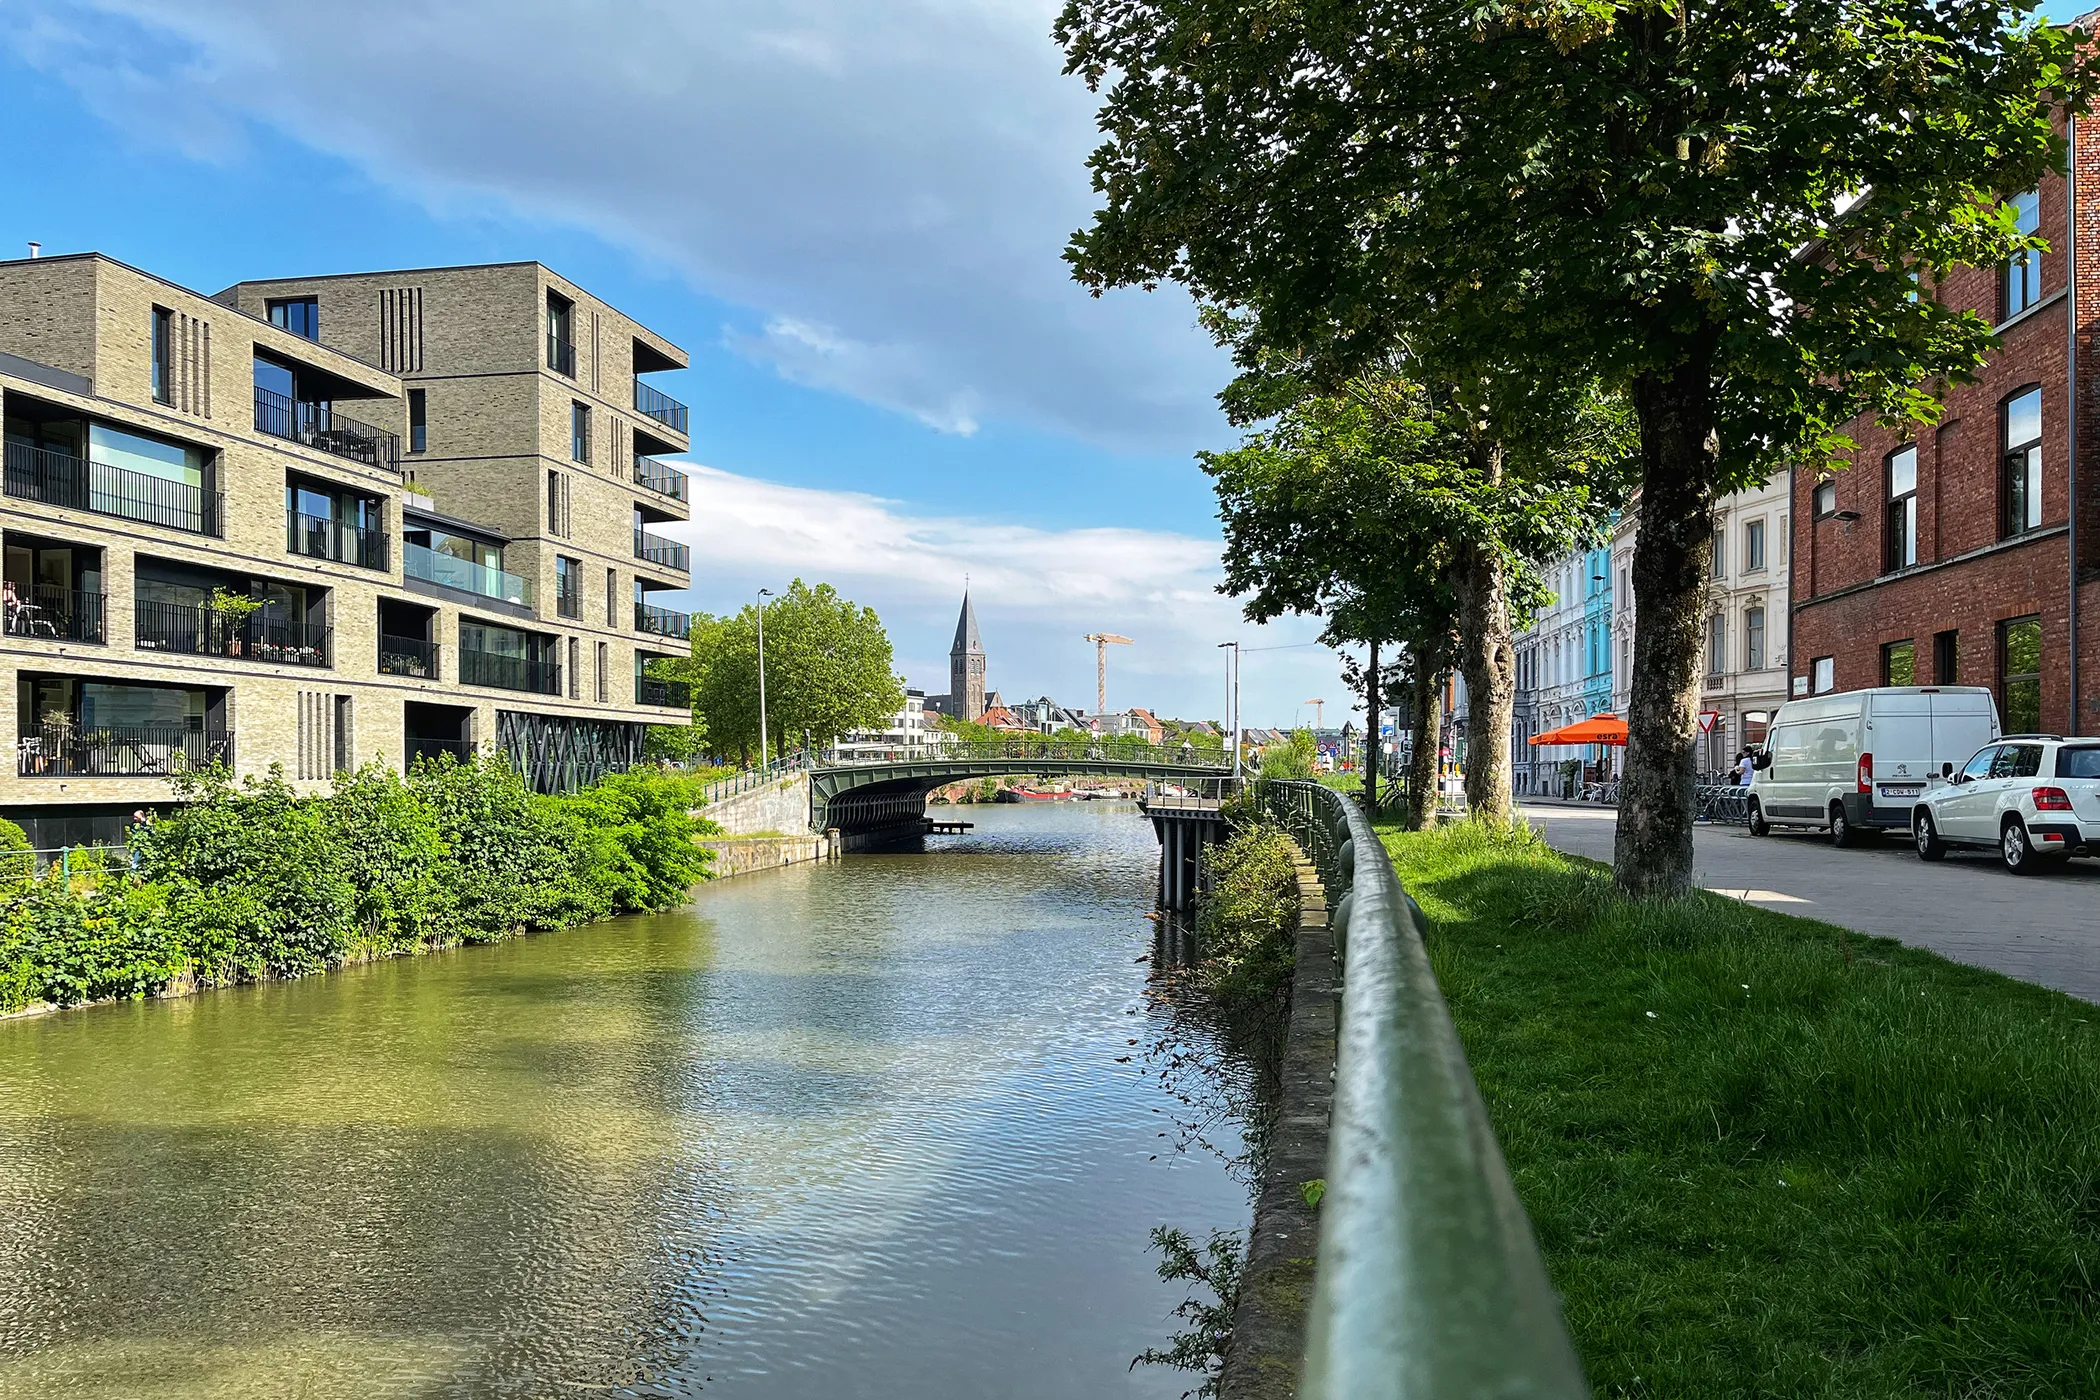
(966, 666)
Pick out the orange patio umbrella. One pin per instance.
(1597, 729)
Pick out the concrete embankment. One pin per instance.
(1276, 1283)
(743, 855)
(765, 828)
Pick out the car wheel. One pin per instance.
(1841, 832)
(1758, 825)
(2016, 849)
(1927, 836)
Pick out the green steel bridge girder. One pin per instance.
(920, 776)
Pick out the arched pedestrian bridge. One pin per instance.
(876, 795)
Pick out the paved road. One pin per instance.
(2043, 928)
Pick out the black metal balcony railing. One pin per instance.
(650, 690)
(561, 355)
(662, 622)
(658, 550)
(408, 656)
(318, 537)
(508, 672)
(55, 614)
(319, 426)
(660, 477)
(75, 483)
(119, 751)
(652, 402)
(198, 630)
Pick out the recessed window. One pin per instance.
(1899, 663)
(561, 349)
(1899, 541)
(1720, 553)
(2020, 674)
(1826, 498)
(2020, 484)
(299, 315)
(1716, 645)
(1822, 675)
(1754, 638)
(1945, 654)
(2023, 270)
(568, 586)
(163, 353)
(1754, 545)
(580, 432)
(418, 422)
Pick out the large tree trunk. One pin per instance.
(1488, 660)
(1371, 733)
(1427, 717)
(1680, 468)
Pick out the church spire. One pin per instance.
(967, 642)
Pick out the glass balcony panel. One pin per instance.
(420, 561)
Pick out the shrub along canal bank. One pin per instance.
(251, 882)
(1768, 1157)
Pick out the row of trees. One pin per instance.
(1486, 269)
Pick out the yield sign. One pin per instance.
(1707, 720)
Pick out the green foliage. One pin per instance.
(1216, 1266)
(1295, 759)
(1765, 1156)
(17, 858)
(250, 880)
(828, 671)
(675, 743)
(1247, 923)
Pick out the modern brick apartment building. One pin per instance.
(1946, 556)
(306, 524)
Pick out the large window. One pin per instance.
(1899, 537)
(2020, 674)
(299, 315)
(1754, 637)
(2020, 487)
(2023, 271)
(1716, 644)
(1899, 663)
(163, 350)
(1720, 553)
(1754, 545)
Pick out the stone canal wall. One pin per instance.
(743, 855)
(781, 807)
(1276, 1283)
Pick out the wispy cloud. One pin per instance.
(886, 187)
(1038, 592)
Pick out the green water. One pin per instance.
(871, 1129)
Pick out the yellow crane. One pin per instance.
(1102, 641)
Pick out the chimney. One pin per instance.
(36, 250)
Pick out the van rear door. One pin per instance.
(1963, 721)
(1899, 736)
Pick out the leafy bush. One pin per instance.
(17, 858)
(1247, 922)
(1298, 757)
(65, 941)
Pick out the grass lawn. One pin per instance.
(1769, 1158)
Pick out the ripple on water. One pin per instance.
(840, 1131)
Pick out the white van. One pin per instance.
(1856, 763)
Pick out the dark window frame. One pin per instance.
(579, 432)
(2020, 276)
(1907, 648)
(418, 421)
(1899, 512)
(2019, 509)
(284, 312)
(163, 376)
(1818, 509)
(2009, 678)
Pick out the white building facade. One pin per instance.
(907, 732)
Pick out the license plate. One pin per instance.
(1907, 790)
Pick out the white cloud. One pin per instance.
(887, 186)
(1038, 592)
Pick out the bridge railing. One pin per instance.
(1022, 751)
(1429, 1281)
(791, 762)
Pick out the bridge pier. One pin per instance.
(1184, 825)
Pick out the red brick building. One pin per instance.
(1945, 555)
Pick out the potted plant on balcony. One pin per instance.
(234, 610)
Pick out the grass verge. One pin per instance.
(1765, 1156)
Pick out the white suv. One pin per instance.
(2035, 797)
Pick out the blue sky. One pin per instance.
(850, 215)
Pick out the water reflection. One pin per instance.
(877, 1129)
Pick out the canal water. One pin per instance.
(894, 1127)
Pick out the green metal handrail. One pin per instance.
(1429, 1284)
(1027, 750)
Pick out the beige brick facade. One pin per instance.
(78, 343)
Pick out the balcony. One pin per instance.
(561, 355)
(54, 614)
(658, 550)
(508, 672)
(122, 751)
(660, 477)
(191, 629)
(420, 561)
(56, 479)
(654, 403)
(662, 622)
(459, 750)
(649, 690)
(319, 426)
(409, 656)
(318, 537)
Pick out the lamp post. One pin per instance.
(763, 594)
(1232, 673)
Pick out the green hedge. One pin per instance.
(251, 880)
(1247, 921)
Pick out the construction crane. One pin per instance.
(1102, 641)
(1319, 714)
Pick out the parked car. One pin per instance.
(1856, 763)
(2034, 797)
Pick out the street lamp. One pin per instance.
(763, 594)
(1232, 672)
